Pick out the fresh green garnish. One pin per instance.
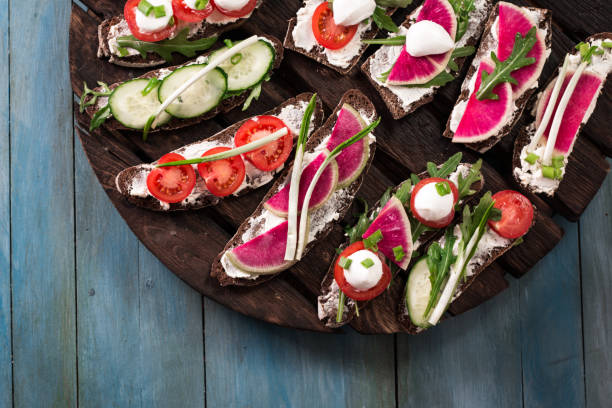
(548, 172)
(464, 184)
(254, 95)
(123, 52)
(159, 11)
(418, 229)
(393, 3)
(606, 44)
(439, 261)
(398, 253)
(171, 21)
(443, 188)
(371, 241)
(532, 158)
(228, 43)
(397, 40)
(179, 44)
(236, 59)
(403, 192)
(558, 162)
(587, 51)
(145, 7)
(345, 263)
(518, 242)
(462, 9)
(368, 263)
(201, 4)
(147, 128)
(503, 69)
(460, 53)
(95, 94)
(441, 79)
(341, 299)
(446, 168)
(355, 232)
(383, 21)
(385, 75)
(414, 178)
(357, 307)
(153, 83)
(100, 117)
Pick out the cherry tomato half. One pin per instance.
(249, 7)
(439, 223)
(327, 32)
(351, 291)
(224, 176)
(171, 184)
(272, 155)
(185, 13)
(129, 12)
(517, 214)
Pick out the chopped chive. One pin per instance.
(443, 188)
(558, 174)
(341, 298)
(228, 43)
(123, 52)
(159, 11)
(236, 59)
(153, 83)
(345, 263)
(558, 161)
(368, 262)
(532, 158)
(371, 241)
(171, 21)
(357, 309)
(548, 172)
(399, 253)
(397, 40)
(145, 7)
(201, 4)
(606, 44)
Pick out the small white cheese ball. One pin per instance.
(231, 5)
(360, 277)
(150, 23)
(430, 205)
(428, 38)
(350, 12)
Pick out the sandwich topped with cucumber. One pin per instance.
(454, 261)
(175, 97)
(384, 240)
(149, 32)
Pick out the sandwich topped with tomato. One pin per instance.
(149, 31)
(384, 240)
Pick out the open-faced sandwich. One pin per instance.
(183, 95)
(328, 170)
(502, 77)
(332, 33)
(453, 262)
(426, 53)
(180, 188)
(149, 31)
(405, 219)
(543, 150)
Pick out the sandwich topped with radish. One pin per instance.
(503, 75)
(426, 53)
(383, 241)
(150, 31)
(543, 150)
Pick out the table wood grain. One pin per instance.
(88, 317)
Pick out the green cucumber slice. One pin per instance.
(249, 67)
(131, 108)
(198, 99)
(418, 289)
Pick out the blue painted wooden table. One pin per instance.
(88, 317)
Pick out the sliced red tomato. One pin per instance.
(439, 223)
(222, 177)
(129, 12)
(272, 155)
(185, 13)
(327, 32)
(171, 184)
(249, 7)
(517, 214)
(355, 294)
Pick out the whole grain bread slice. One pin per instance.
(226, 105)
(125, 178)
(527, 133)
(362, 104)
(396, 106)
(489, 39)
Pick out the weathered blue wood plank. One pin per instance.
(6, 394)
(472, 360)
(596, 263)
(551, 327)
(44, 329)
(139, 327)
(254, 364)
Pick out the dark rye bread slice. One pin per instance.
(153, 60)
(393, 101)
(487, 43)
(226, 105)
(123, 180)
(362, 104)
(318, 53)
(329, 319)
(527, 133)
(404, 316)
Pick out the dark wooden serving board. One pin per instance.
(188, 242)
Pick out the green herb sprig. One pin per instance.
(100, 117)
(446, 168)
(439, 261)
(84, 102)
(464, 184)
(179, 44)
(383, 21)
(394, 3)
(462, 9)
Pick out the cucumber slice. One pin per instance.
(249, 67)
(198, 99)
(131, 108)
(418, 289)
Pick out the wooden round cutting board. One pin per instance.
(187, 242)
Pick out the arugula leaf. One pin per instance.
(503, 69)
(472, 220)
(446, 168)
(439, 261)
(393, 3)
(356, 231)
(462, 9)
(459, 53)
(464, 184)
(383, 21)
(165, 48)
(95, 94)
(254, 95)
(100, 117)
(403, 192)
(418, 229)
(414, 178)
(441, 79)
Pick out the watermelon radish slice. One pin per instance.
(394, 224)
(409, 70)
(354, 158)
(513, 19)
(587, 89)
(483, 119)
(279, 202)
